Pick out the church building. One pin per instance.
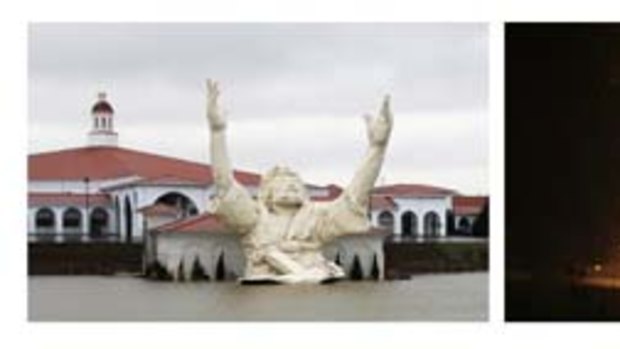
(97, 192)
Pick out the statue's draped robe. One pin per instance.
(262, 230)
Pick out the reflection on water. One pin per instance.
(542, 298)
(454, 297)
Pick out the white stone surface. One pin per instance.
(177, 252)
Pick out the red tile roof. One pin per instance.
(203, 223)
(68, 199)
(413, 190)
(333, 191)
(381, 202)
(113, 162)
(159, 210)
(469, 205)
(164, 180)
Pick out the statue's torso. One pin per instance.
(282, 245)
(273, 229)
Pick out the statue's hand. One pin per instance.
(216, 118)
(379, 127)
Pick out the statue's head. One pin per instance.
(282, 187)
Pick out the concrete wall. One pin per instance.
(86, 259)
(406, 259)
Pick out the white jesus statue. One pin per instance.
(282, 231)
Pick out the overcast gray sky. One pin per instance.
(295, 94)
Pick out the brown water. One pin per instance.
(442, 297)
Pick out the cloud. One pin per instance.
(431, 66)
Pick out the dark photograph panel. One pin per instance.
(562, 172)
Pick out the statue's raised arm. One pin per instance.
(233, 203)
(378, 130)
(220, 161)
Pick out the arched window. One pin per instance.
(432, 224)
(98, 221)
(72, 220)
(386, 220)
(96, 122)
(44, 220)
(183, 203)
(409, 223)
(103, 123)
(464, 225)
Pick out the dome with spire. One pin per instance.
(102, 105)
(102, 116)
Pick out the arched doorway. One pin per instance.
(386, 220)
(98, 222)
(184, 204)
(432, 224)
(128, 220)
(72, 221)
(44, 221)
(409, 223)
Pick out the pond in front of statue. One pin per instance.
(440, 297)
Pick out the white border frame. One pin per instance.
(13, 110)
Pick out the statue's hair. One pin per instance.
(269, 179)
